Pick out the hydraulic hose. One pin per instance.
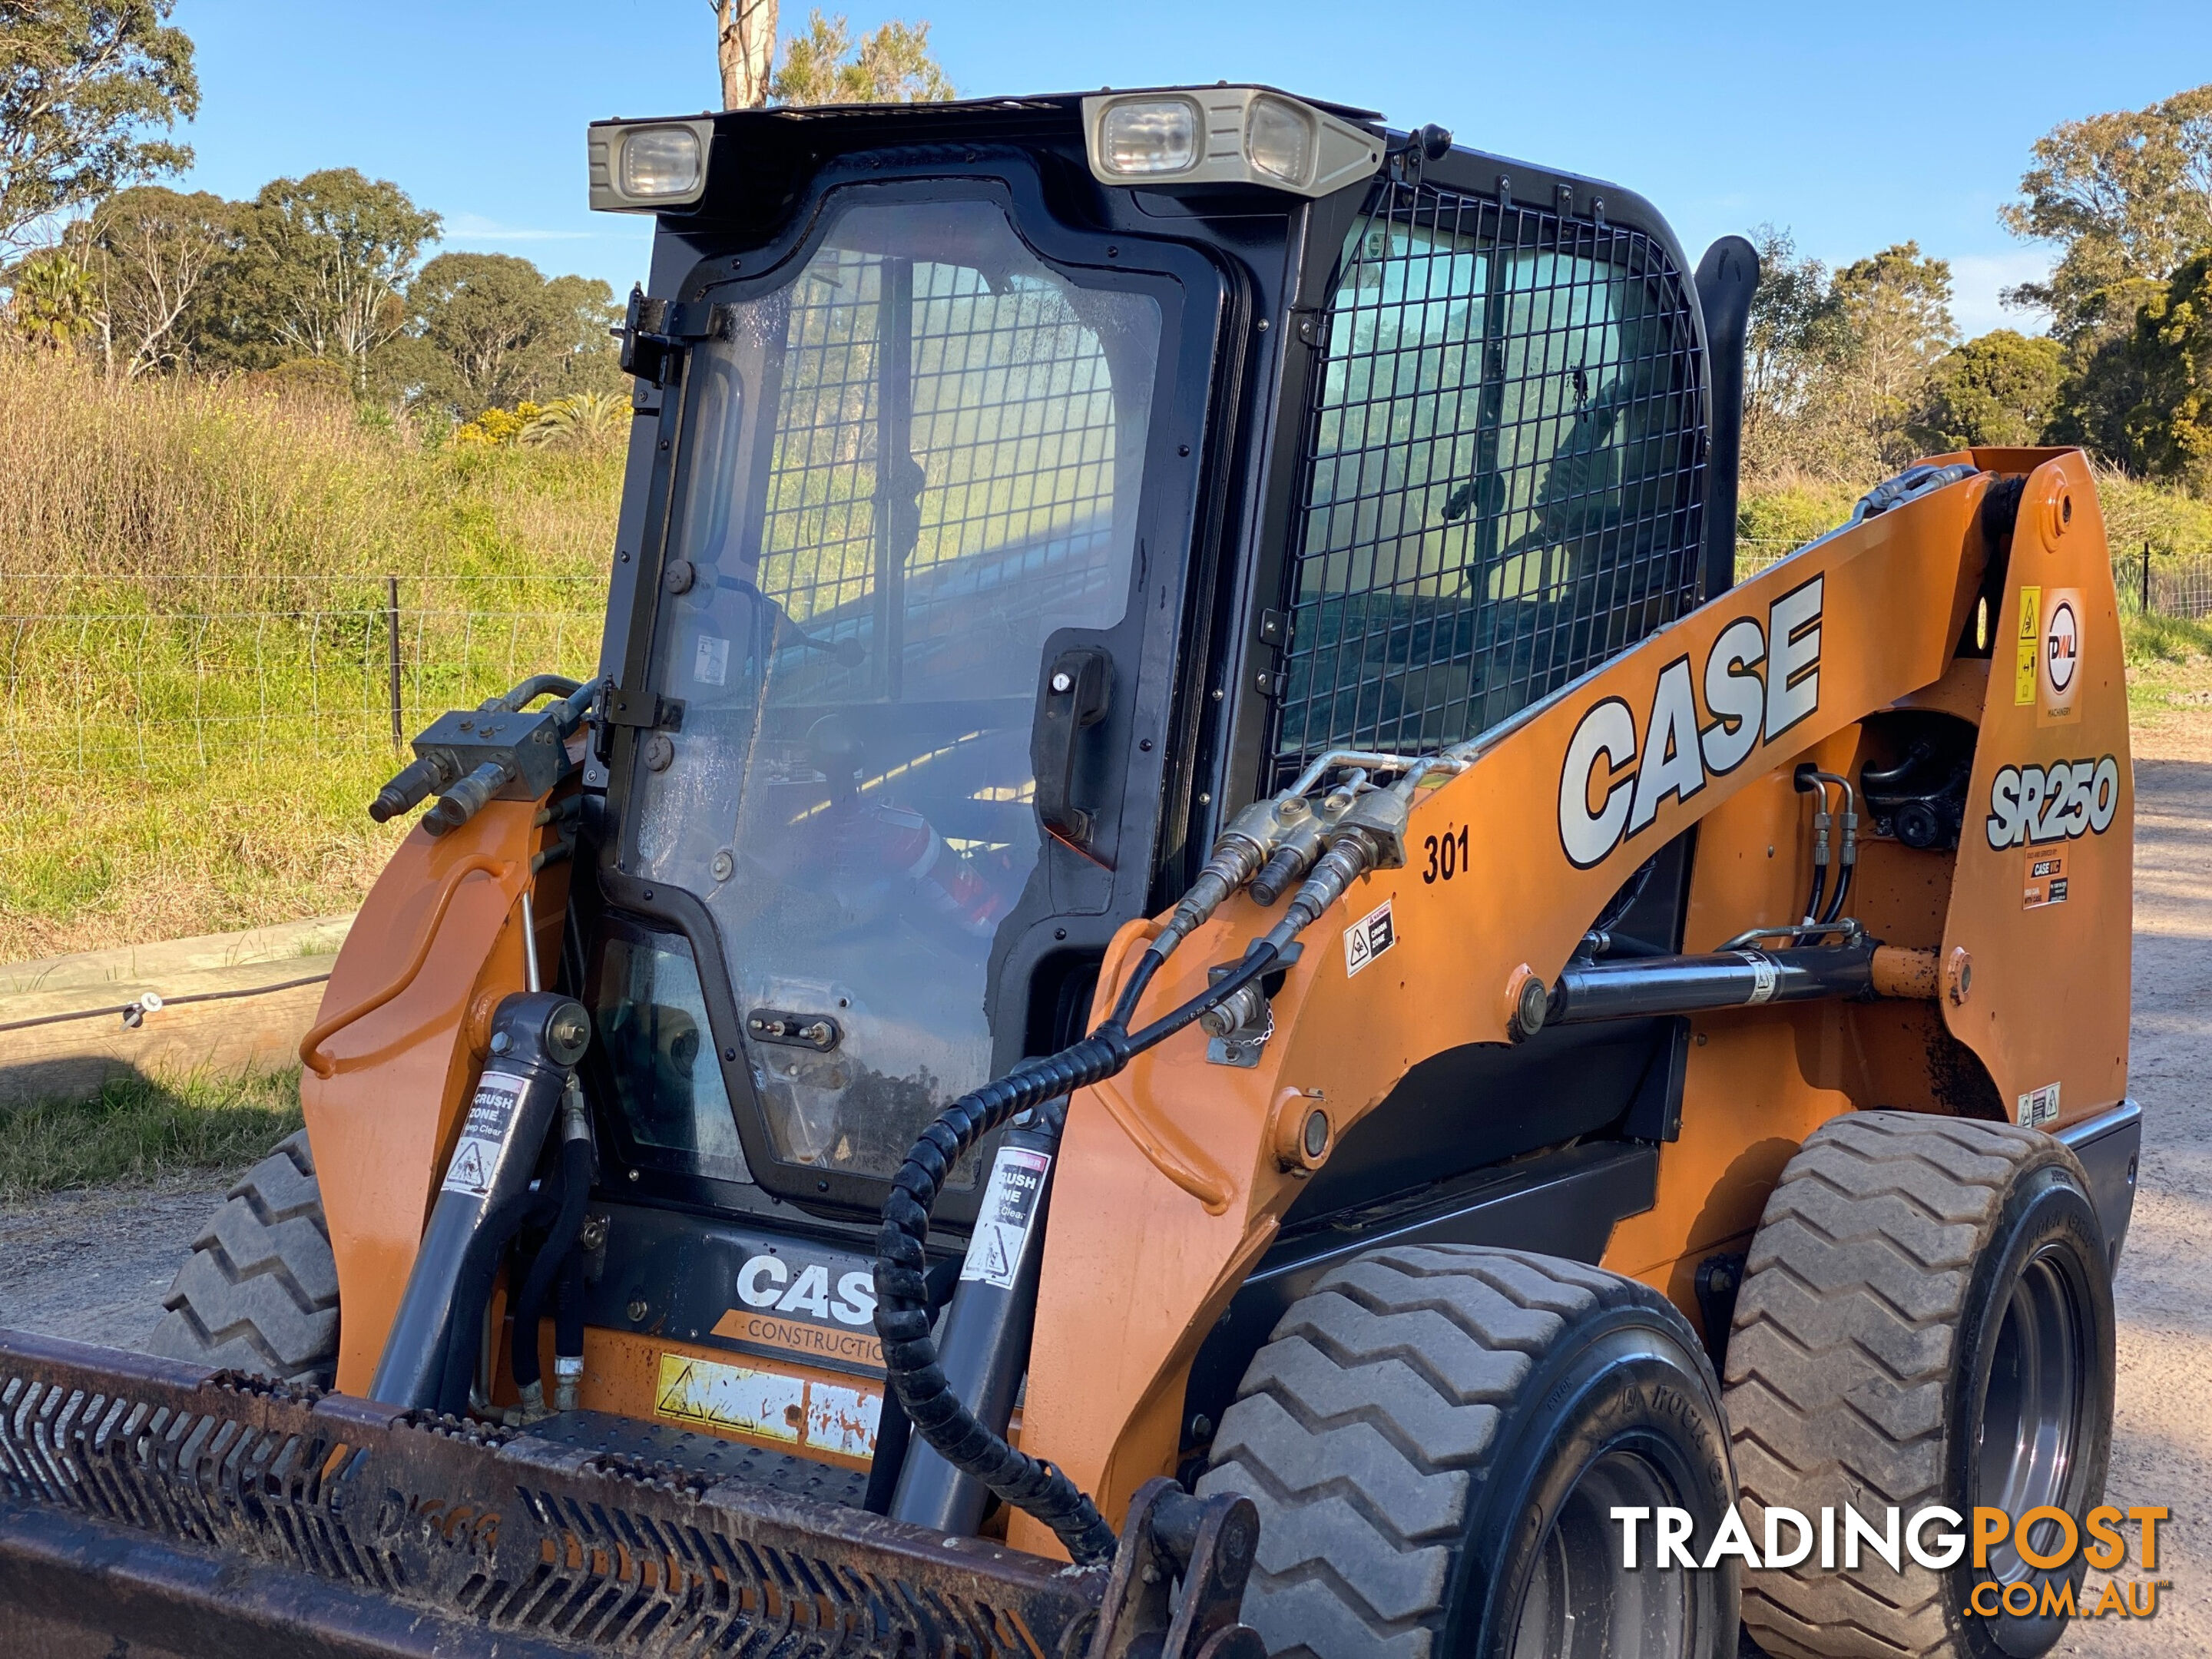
(560, 1243)
(902, 1302)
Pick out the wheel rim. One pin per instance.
(2032, 1406)
(1580, 1602)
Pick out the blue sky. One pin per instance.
(1854, 125)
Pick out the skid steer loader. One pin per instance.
(1196, 983)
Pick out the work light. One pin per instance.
(659, 163)
(1148, 137)
(1188, 136)
(649, 166)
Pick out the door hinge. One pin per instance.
(654, 332)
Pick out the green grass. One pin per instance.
(138, 1132)
(2169, 663)
(193, 650)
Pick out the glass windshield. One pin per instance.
(908, 468)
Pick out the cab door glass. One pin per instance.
(908, 467)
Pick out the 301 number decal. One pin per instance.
(1447, 854)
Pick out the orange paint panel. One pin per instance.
(382, 1125)
(1136, 1267)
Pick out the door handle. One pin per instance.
(1078, 688)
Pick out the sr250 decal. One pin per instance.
(2031, 805)
(1601, 802)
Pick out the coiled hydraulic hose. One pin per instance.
(964, 1441)
(902, 1312)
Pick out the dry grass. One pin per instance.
(191, 656)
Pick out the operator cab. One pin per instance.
(1018, 488)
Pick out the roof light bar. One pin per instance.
(1224, 135)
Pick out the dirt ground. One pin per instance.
(93, 1266)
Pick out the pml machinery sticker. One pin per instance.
(2047, 663)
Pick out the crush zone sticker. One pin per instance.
(1002, 1225)
(2038, 1106)
(1368, 938)
(484, 1136)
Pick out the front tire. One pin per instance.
(1926, 1319)
(259, 1292)
(1435, 1438)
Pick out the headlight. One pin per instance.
(658, 163)
(1279, 139)
(1147, 137)
(1192, 136)
(649, 166)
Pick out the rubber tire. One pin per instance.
(1859, 1358)
(259, 1292)
(1411, 1428)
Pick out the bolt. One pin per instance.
(501, 1043)
(637, 1309)
(1149, 1573)
(723, 865)
(1317, 1133)
(633, 1175)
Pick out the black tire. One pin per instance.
(1434, 1438)
(1912, 1279)
(259, 1292)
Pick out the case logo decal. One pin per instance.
(1761, 676)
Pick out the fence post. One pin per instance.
(391, 638)
(2146, 577)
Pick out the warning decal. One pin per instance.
(1368, 938)
(1002, 1225)
(2046, 880)
(797, 1411)
(483, 1137)
(2038, 1106)
(2027, 666)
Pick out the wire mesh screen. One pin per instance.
(927, 415)
(1505, 460)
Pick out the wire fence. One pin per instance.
(183, 674)
(180, 674)
(2151, 581)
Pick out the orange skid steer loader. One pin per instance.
(1197, 984)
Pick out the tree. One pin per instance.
(1896, 313)
(1998, 390)
(1795, 339)
(2127, 196)
(54, 303)
(81, 81)
(890, 66)
(744, 45)
(152, 250)
(487, 330)
(321, 268)
(2143, 399)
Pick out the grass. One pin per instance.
(139, 1132)
(193, 652)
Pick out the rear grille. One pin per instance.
(1504, 470)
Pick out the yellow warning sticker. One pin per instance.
(797, 1411)
(2028, 650)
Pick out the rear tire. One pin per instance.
(259, 1292)
(1926, 1318)
(1433, 1439)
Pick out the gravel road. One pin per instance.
(93, 1266)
